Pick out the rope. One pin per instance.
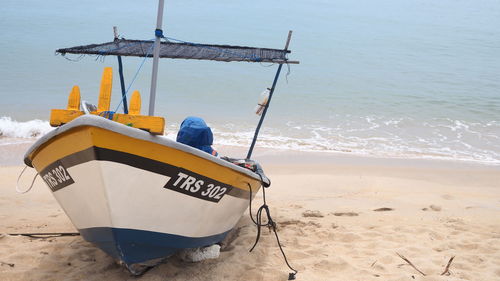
(135, 76)
(287, 73)
(46, 235)
(107, 114)
(103, 53)
(271, 224)
(74, 60)
(19, 177)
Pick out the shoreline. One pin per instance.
(423, 144)
(12, 154)
(286, 157)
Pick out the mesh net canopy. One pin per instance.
(141, 48)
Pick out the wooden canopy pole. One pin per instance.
(120, 72)
(269, 100)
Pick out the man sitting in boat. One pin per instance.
(195, 132)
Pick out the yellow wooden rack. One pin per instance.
(153, 124)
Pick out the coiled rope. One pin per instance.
(270, 223)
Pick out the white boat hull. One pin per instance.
(140, 197)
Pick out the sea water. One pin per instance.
(387, 78)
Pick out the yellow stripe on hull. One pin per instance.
(84, 137)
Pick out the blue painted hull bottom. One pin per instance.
(135, 246)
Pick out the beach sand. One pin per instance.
(339, 218)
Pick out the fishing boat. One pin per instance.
(134, 193)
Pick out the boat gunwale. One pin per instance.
(103, 123)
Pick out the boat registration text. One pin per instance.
(198, 186)
(56, 176)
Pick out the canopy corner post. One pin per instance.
(156, 55)
(254, 140)
(120, 71)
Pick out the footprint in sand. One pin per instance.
(6, 263)
(434, 208)
(346, 214)
(314, 224)
(447, 197)
(291, 222)
(313, 214)
(299, 223)
(384, 209)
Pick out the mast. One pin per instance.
(156, 55)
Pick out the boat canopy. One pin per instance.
(183, 50)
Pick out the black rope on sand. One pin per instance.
(271, 224)
(45, 235)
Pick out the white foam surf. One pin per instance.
(444, 139)
(22, 130)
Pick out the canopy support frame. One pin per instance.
(273, 87)
(156, 56)
(120, 72)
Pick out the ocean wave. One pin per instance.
(445, 139)
(24, 130)
(373, 147)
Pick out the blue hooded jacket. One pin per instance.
(195, 132)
